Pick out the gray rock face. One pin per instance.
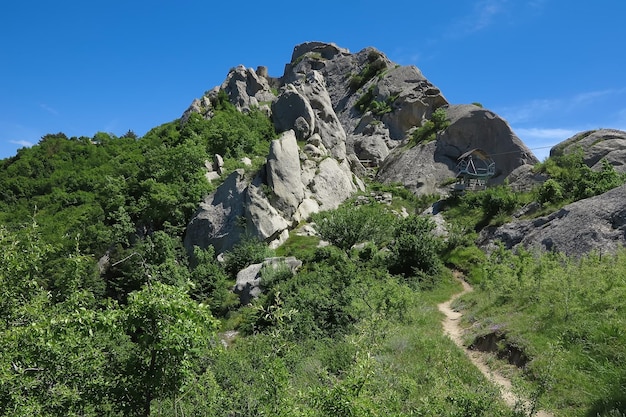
(596, 145)
(292, 111)
(249, 282)
(416, 99)
(283, 174)
(217, 221)
(597, 223)
(262, 219)
(333, 184)
(246, 88)
(426, 167)
(327, 124)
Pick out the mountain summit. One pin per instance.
(341, 113)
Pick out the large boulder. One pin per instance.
(283, 173)
(415, 99)
(332, 184)
(426, 168)
(292, 111)
(217, 222)
(609, 144)
(262, 218)
(597, 223)
(249, 281)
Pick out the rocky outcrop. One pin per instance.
(338, 112)
(597, 223)
(249, 280)
(609, 144)
(290, 188)
(217, 222)
(283, 174)
(426, 168)
(305, 107)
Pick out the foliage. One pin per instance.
(415, 250)
(571, 179)
(428, 131)
(375, 65)
(170, 332)
(248, 251)
(349, 225)
(478, 209)
(566, 315)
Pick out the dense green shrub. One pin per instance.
(415, 250)
(350, 224)
(573, 180)
(248, 251)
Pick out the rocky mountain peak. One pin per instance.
(350, 110)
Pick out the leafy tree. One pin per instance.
(171, 333)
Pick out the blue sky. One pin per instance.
(551, 68)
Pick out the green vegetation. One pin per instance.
(428, 131)
(567, 316)
(571, 179)
(375, 65)
(367, 103)
(104, 313)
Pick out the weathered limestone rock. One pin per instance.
(416, 99)
(262, 219)
(246, 89)
(596, 223)
(283, 174)
(217, 221)
(371, 149)
(609, 144)
(327, 124)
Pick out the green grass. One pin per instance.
(568, 317)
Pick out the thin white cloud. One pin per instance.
(528, 111)
(592, 96)
(24, 143)
(545, 134)
(49, 109)
(482, 16)
(541, 140)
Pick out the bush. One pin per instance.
(427, 132)
(349, 225)
(247, 252)
(415, 249)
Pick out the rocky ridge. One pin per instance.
(339, 113)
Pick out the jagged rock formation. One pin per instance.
(349, 111)
(609, 144)
(596, 223)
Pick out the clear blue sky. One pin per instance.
(551, 68)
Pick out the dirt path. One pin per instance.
(452, 328)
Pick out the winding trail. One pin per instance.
(452, 328)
